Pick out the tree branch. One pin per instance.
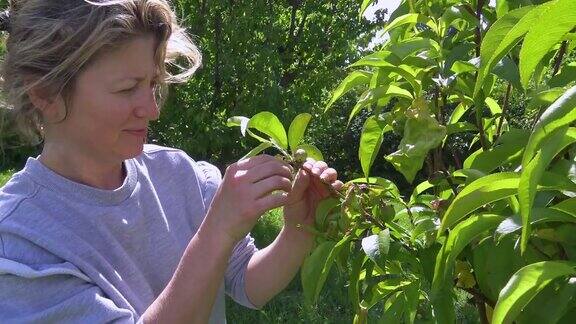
(559, 57)
(478, 41)
(479, 296)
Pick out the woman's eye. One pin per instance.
(127, 90)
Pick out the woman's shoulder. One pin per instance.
(17, 190)
(174, 161)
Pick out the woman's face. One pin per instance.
(111, 104)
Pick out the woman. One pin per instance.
(101, 227)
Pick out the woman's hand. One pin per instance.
(246, 193)
(310, 187)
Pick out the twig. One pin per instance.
(479, 296)
(504, 110)
(482, 312)
(478, 39)
(451, 183)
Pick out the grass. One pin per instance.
(5, 176)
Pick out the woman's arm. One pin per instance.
(190, 294)
(270, 270)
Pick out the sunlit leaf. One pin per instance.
(370, 141)
(353, 80)
(502, 36)
(421, 134)
(297, 130)
(267, 123)
(524, 285)
(545, 34)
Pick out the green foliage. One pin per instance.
(5, 176)
(499, 225)
(279, 56)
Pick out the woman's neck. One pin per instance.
(83, 168)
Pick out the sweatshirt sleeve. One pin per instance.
(243, 251)
(52, 292)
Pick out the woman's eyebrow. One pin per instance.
(136, 78)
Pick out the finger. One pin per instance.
(253, 161)
(268, 169)
(300, 185)
(309, 164)
(319, 167)
(271, 201)
(329, 175)
(337, 185)
(268, 185)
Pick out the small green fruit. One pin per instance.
(300, 156)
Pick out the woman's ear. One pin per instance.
(51, 106)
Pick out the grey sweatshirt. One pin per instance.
(70, 253)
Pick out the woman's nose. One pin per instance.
(147, 107)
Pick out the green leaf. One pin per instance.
(317, 266)
(493, 106)
(509, 150)
(387, 68)
(551, 134)
(297, 130)
(556, 298)
(394, 310)
(540, 215)
(377, 246)
(370, 141)
(257, 150)
(312, 270)
(567, 206)
(323, 210)
(420, 188)
(502, 36)
(380, 58)
(560, 114)
(267, 123)
(353, 288)
(507, 70)
(524, 285)
(462, 234)
(503, 6)
(421, 134)
(532, 173)
(384, 184)
(460, 128)
(240, 121)
(415, 45)
(559, 19)
(566, 76)
(353, 80)
(458, 112)
(494, 264)
(411, 19)
(373, 95)
(485, 190)
(492, 188)
(312, 151)
(543, 98)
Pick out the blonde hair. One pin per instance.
(51, 41)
